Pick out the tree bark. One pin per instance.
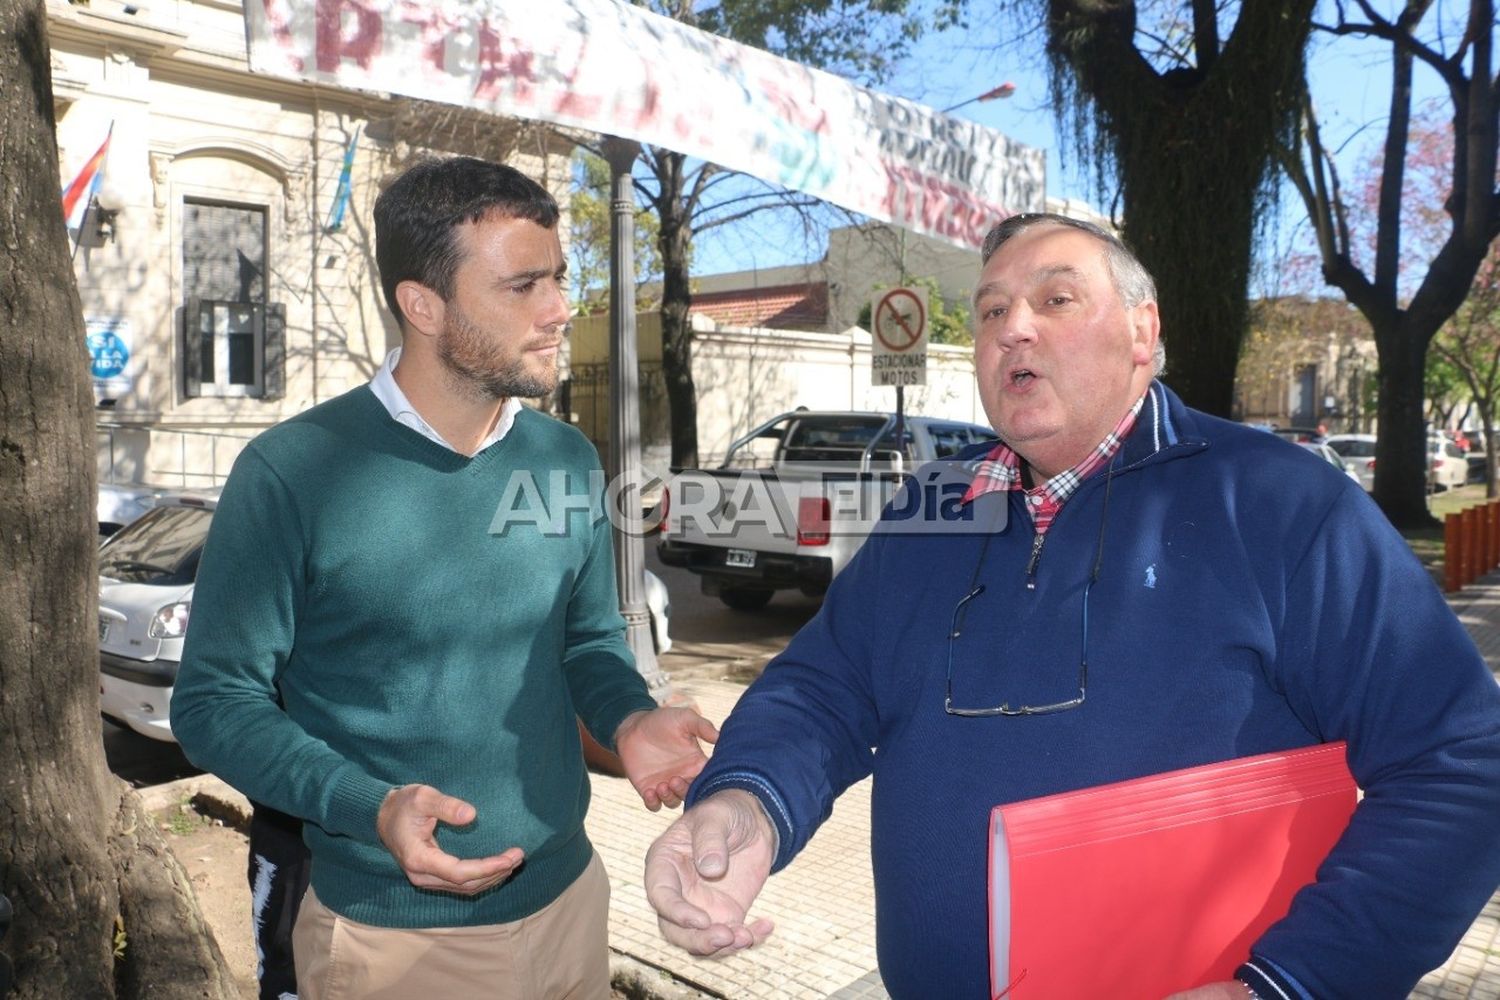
(1401, 447)
(674, 240)
(77, 854)
(1194, 149)
(1487, 428)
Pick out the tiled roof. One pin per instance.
(781, 307)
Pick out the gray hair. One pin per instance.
(1133, 283)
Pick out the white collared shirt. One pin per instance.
(384, 386)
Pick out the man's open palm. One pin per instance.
(661, 752)
(703, 873)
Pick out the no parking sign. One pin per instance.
(898, 345)
(109, 345)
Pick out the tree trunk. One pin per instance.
(1202, 271)
(78, 858)
(674, 240)
(1193, 150)
(1401, 448)
(1487, 428)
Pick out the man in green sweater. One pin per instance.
(432, 650)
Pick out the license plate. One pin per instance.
(744, 558)
(103, 630)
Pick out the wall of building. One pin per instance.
(1304, 363)
(192, 124)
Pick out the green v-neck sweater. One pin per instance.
(426, 617)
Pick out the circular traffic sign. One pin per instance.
(900, 318)
(108, 355)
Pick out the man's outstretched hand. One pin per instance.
(406, 822)
(661, 753)
(703, 873)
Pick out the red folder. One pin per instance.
(1146, 887)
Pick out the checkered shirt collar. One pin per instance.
(1001, 468)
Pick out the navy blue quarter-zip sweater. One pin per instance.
(1249, 599)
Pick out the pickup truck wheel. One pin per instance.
(745, 598)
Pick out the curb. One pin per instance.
(639, 981)
(212, 796)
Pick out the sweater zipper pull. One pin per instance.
(1036, 557)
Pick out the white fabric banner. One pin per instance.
(613, 68)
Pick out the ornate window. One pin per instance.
(233, 339)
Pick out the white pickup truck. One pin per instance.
(794, 499)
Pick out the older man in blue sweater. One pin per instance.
(1229, 595)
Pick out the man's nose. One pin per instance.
(1017, 326)
(559, 309)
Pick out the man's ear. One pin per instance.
(422, 307)
(1145, 328)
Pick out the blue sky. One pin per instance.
(1350, 81)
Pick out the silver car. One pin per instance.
(1447, 466)
(1332, 457)
(146, 575)
(121, 503)
(1358, 453)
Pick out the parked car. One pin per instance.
(1476, 456)
(146, 575)
(1446, 465)
(121, 503)
(795, 498)
(1333, 458)
(1298, 435)
(1476, 460)
(1358, 452)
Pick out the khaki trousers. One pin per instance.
(561, 952)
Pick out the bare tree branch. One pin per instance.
(1166, 47)
(1405, 330)
(1393, 169)
(700, 184)
(765, 198)
(1450, 68)
(1206, 32)
(791, 202)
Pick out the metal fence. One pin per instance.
(586, 395)
(166, 456)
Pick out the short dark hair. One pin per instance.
(418, 214)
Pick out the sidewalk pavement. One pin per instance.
(823, 903)
(1473, 970)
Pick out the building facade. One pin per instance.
(222, 289)
(1306, 362)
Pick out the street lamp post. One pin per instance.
(625, 422)
(1004, 90)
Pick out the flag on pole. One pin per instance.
(341, 196)
(77, 195)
